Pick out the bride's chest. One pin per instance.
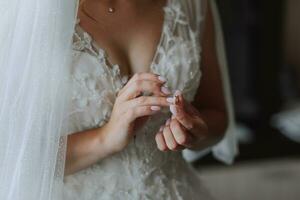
(96, 83)
(130, 38)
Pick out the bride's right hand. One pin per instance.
(131, 106)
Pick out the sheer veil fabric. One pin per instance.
(227, 149)
(35, 38)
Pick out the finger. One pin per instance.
(160, 141)
(169, 139)
(147, 76)
(143, 76)
(184, 118)
(178, 111)
(180, 134)
(148, 101)
(140, 111)
(136, 88)
(168, 122)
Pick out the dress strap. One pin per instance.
(195, 11)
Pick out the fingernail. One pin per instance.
(168, 122)
(173, 117)
(161, 78)
(165, 90)
(155, 108)
(161, 129)
(170, 100)
(173, 109)
(178, 92)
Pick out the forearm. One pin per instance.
(216, 122)
(210, 98)
(85, 149)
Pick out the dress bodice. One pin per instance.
(96, 81)
(140, 171)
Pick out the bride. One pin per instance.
(145, 84)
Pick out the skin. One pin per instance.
(195, 125)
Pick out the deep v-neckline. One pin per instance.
(102, 53)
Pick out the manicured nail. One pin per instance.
(173, 109)
(177, 92)
(155, 108)
(170, 100)
(165, 90)
(161, 128)
(161, 78)
(168, 122)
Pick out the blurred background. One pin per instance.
(263, 49)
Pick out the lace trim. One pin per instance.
(84, 42)
(173, 16)
(178, 20)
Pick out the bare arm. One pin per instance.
(210, 100)
(84, 149)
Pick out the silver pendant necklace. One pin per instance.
(111, 10)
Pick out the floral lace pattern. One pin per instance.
(140, 171)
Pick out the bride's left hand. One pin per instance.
(186, 128)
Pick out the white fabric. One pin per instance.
(288, 122)
(227, 149)
(35, 38)
(140, 171)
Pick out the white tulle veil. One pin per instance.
(35, 39)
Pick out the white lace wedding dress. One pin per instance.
(140, 171)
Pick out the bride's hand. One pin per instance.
(186, 128)
(130, 106)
